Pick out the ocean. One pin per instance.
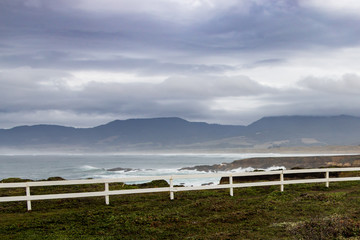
(82, 166)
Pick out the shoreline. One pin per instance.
(287, 162)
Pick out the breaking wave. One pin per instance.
(129, 165)
(128, 172)
(89, 168)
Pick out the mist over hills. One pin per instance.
(177, 133)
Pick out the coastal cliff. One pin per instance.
(287, 162)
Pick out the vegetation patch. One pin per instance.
(332, 227)
(305, 211)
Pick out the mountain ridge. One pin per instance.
(177, 133)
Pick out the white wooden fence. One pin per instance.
(171, 189)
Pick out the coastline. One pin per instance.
(287, 162)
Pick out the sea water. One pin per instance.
(83, 166)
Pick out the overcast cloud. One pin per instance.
(86, 62)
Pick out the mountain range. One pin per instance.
(176, 133)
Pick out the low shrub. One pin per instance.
(333, 227)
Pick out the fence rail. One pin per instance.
(172, 189)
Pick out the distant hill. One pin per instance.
(335, 130)
(177, 133)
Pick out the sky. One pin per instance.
(83, 63)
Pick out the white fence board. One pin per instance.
(106, 193)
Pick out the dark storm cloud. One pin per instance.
(55, 27)
(265, 62)
(191, 98)
(65, 61)
(50, 29)
(44, 94)
(186, 97)
(200, 52)
(281, 25)
(316, 96)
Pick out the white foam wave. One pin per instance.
(273, 168)
(89, 168)
(174, 171)
(251, 169)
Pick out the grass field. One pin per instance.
(309, 211)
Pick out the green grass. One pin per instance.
(309, 211)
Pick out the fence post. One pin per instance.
(231, 185)
(28, 195)
(327, 178)
(171, 188)
(107, 200)
(282, 180)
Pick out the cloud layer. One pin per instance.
(86, 62)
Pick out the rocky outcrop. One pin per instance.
(287, 162)
(120, 169)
